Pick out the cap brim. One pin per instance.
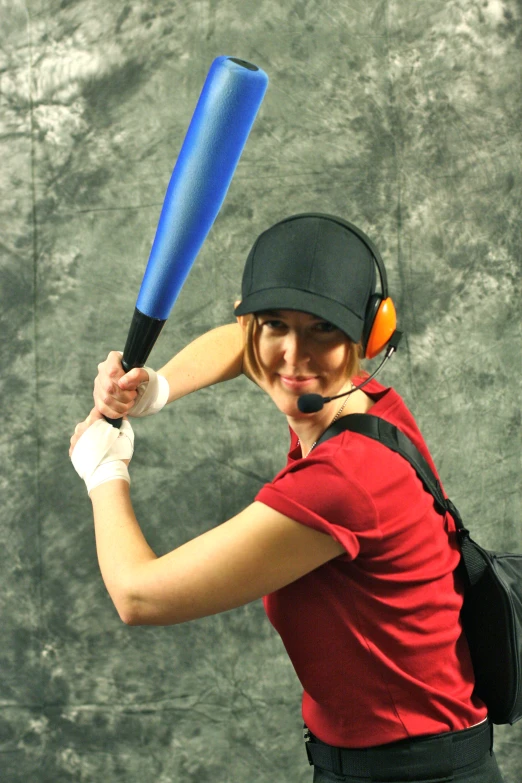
(293, 299)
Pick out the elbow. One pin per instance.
(141, 613)
(128, 616)
(133, 611)
(127, 608)
(135, 607)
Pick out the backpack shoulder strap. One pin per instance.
(391, 436)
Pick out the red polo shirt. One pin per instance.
(374, 635)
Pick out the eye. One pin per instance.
(271, 323)
(325, 327)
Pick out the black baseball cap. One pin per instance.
(315, 263)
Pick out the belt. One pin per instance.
(437, 755)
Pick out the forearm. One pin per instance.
(120, 543)
(212, 358)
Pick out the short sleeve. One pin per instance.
(317, 493)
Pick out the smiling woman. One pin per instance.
(303, 340)
(301, 350)
(344, 540)
(296, 353)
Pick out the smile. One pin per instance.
(297, 382)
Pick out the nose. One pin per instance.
(294, 348)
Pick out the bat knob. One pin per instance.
(115, 422)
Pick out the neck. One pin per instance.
(310, 427)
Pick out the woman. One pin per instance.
(355, 566)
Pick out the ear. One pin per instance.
(241, 319)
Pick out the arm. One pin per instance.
(253, 554)
(212, 358)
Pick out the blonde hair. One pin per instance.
(252, 368)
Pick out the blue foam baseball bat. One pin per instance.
(232, 94)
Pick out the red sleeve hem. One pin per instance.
(270, 496)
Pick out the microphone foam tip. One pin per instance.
(310, 403)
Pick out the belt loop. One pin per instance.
(491, 737)
(307, 740)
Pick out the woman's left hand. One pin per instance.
(80, 428)
(100, 452)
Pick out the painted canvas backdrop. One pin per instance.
(400, 116)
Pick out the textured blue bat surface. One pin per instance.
(224, 115)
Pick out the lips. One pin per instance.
(297, 381)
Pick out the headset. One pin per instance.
(379, 328)
(380, 320)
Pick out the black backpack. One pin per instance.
(492, 611)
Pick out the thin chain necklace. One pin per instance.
(334, 419)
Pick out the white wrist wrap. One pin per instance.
(152, 395)
(107, 472)
(98, 455)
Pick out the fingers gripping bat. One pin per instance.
(225, 112)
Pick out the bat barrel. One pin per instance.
(225, 112)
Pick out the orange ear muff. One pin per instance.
(383, 326)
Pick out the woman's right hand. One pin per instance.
(115, 391)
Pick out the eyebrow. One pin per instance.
(278, 314)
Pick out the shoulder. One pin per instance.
(324, 488)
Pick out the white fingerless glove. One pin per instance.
(98, 454)
(152, 395)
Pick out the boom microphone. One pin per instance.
(312, 403)
(225, 112)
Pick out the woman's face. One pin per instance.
(299, 354)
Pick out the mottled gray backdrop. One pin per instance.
(402, 116)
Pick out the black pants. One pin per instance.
(461, 756)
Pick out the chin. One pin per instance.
(289, 408)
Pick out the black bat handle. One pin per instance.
(143, 333)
